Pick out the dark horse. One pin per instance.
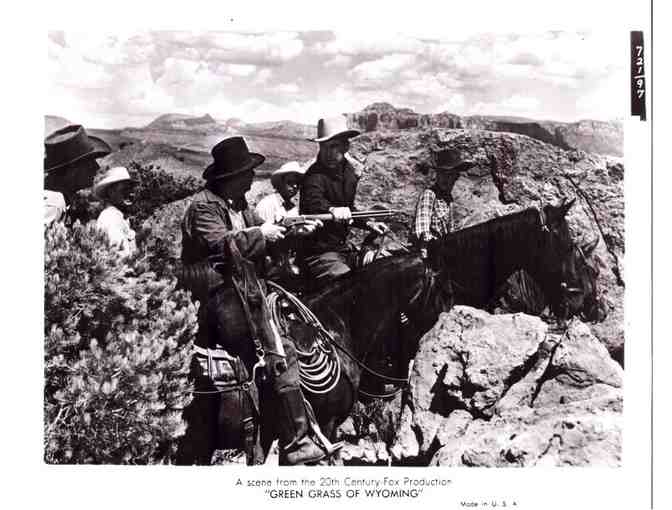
(362, 309)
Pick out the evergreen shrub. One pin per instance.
(118, 342)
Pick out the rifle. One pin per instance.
(373, 214)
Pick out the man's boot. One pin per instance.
(296, 444)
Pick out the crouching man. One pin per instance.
(219, 225)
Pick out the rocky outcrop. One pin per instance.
(512, 172)
(587, 135)
(501, 390)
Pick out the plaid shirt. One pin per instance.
(433, 217)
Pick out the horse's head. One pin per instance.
(433, 293)
(569, 278)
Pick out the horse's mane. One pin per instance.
(505, 226)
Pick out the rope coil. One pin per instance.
(319, 367)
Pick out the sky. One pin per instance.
(112, 80)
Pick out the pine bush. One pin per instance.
(118, 342)
(156, 188)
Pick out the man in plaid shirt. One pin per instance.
(433, 213)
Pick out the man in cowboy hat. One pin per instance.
(286, 180)
(434, 210)
(330, 185)
(217, 219)
(114, 190)
(69, 166)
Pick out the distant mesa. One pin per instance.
(602, 137)
(281, 129)
(54, 122)
(181, 121)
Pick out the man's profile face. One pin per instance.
(120, 194)
(234, 187)
(332, 152)
(446, 179)
(80, 175)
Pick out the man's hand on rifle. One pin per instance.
(306, 227)
(378, 227)
(272, 232)
(341, 214)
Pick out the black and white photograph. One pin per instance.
(386, 256)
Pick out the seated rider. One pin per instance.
(434, 210)
(286, 180)
(273, 208)
(330, 186)
(217, 220)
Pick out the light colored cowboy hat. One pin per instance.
(292, 167)
(111, 176)
(69, 145)
(332, 127)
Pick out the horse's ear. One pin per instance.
(588, 247)
(565, 207)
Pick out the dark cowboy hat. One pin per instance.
(232, 157)
(450, 161)
(69, 145)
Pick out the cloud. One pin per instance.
(262, 77)
(240, 70)
(455, 104)
(286, 88)
(373, 73)
(66, 67)
(339, 61)
(513, 105)
(273, 48)
(367, 44)
(526, 59)
(258, 75)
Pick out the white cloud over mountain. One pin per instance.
(99, 78)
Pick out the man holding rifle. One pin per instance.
(330, 186)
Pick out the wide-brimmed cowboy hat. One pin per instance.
(333, 127)
(111, 176)
(450, 161)
(69, 145)
(231, 157)
(291, 168)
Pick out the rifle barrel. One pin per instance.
(375, 213)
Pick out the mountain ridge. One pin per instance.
(601, 137)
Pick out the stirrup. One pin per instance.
(327, 445)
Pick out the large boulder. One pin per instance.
(512, 172)
(500, 390)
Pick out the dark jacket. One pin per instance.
(206, 228)
(321, 189)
